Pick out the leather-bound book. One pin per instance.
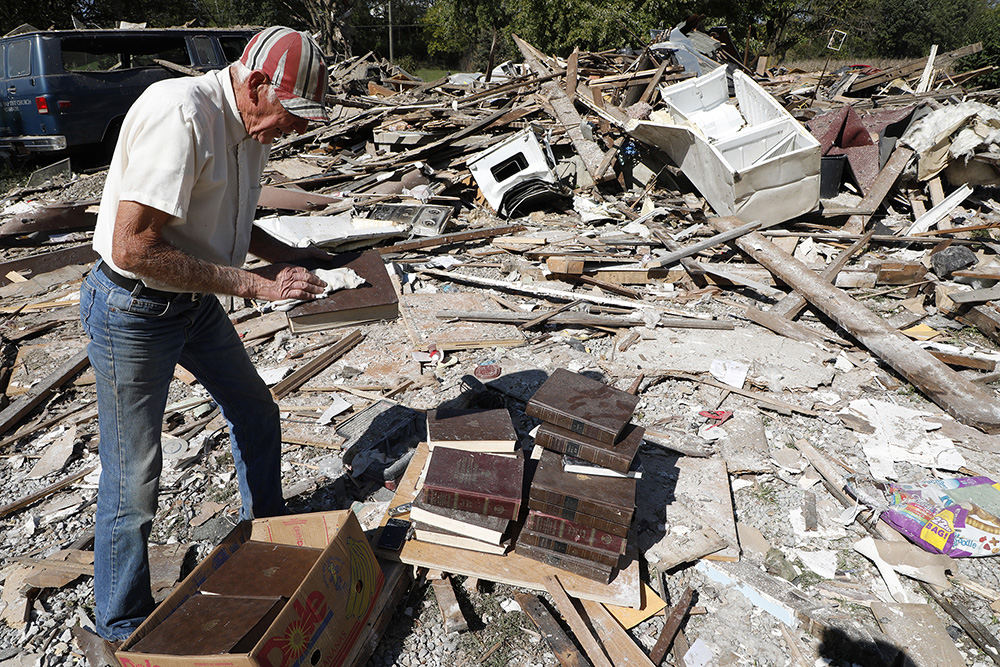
(571, 531)
(581, 566)
(584, 406)
(374, 300)
(476, 526)
(471, 430)
(569, 548)
(609, 498)
(475, 482)
(612, 527)
(617, 457)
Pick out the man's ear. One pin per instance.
(256, 79)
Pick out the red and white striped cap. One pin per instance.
(295, 65)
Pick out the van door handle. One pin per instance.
(11, 89)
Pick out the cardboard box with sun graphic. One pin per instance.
(279, 592)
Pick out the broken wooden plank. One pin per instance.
(48, 261)
(793, 303)
(768, 401)
(962, 399)
(620, 647)
(781, 326)
(938, 213)
(544, 317)
(976, 296)
(447, 239)
(553, 634)
(887, 75)
(704, 244)
(16, 411)
(583, 319)
(670, 627)
(564, 111)
(451, 612)
(315, 365)
(33, 498)
(576, 622)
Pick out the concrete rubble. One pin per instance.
(813, 262)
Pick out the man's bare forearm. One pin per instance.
(167, 264)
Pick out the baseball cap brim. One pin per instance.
(301, 107)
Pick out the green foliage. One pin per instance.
(985, 29)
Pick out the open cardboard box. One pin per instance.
(320, 623)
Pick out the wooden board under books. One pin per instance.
(427, 328)
(513, 569)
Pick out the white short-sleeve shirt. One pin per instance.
(183, 149)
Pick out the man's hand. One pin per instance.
(284, 281)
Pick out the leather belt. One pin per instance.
(131, 284)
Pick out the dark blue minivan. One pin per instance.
(65, 88)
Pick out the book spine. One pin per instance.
(568, 531)
(568, 548)
(500, 507)
(581, 450)
(615, 528)
(622, 515)
(570, 422)
(584, 568)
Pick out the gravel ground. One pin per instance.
(737, 631)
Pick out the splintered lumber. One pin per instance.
(582, 319)
(976, 295)
(562, 646)
(782, 326)
(576, 622)
(768, 401)
(938, 213)
(49, 261)
(885, 76)
(32, 498)
(447, 239)
(544, 317)
(671, 626)
(704, 244)
(314, 366)
(19, 409)
(792, 304)
(451, 612)
(962, 399)
(620, 647)
(565, 112)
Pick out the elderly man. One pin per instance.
(174, 228)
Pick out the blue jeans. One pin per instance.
(135, 344)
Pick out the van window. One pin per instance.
(103, 53)
(19, 58)
(232, 47)
(205, 51)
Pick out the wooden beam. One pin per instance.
(565, 112)
(793, 303)
(302, 374)
(32, 498)
(962, 399)
(571, 73)
(576, 623)
(670, 627)
(562, 646)
(621, 648)
(647, 94)
(451, 611)
(19, 409)
(535, 321)
(447, 239)
(582, 319)
(704, 244)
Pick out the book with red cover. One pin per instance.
(608, 498)
(617, 457)
(569, 548)
(584, 406)
(475, 482)
(581, 566)
(571, 531)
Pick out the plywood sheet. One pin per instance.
(511, 568)
(428, 329)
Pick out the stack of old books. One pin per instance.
(580, 522)
(471, 490)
